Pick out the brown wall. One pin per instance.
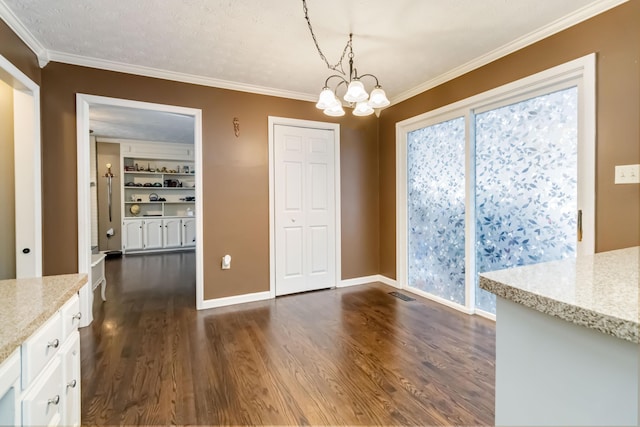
(615, 37)
(12, 48)
(7, 188)
(235, 174)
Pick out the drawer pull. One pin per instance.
(72, 384)
(77, 316)
(55, 343)
(54, 401)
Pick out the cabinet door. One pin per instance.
(70, 356)
(188, 232)
(152, 233)
(172, 233)
(41, 402)
(132, 235)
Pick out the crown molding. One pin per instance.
(24, 34)
(561, 24)
(139, 70)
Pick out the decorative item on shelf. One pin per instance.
(134, 209)
(157, 184)
(153, 197)
(147, 184)
(356, 94)
(185, 169)
(130, 184)
(188, 198)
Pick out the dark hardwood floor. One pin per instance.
(352, 356)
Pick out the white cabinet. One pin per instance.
(50, 360)
(152, 233)
(70, 393)
(158, 234)
(132, 235)
(10, 391)
(41, 402)
(172, 232)
(188, 232)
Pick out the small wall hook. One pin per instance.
(236, 126)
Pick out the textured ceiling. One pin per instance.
(265, 46)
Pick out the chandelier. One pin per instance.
(356, 95)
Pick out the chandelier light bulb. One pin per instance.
(378, 98)
(327, 99)
(356, 92)
(362, 109)
(335, 111)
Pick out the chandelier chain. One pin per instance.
(348, 47)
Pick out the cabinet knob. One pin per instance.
(71, 384)
(55, 343)
(54, 401)
(77, 316)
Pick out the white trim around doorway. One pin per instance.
(335, 127)
(83, 103)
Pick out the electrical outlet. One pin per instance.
(627, 174)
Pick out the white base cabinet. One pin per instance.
(152, 231)
(40, 381)
(172, 236)
(188, 232)
(153, 234)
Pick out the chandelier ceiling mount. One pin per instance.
(356, 94)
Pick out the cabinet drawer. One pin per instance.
(70, 316)
(40, 347)
(41, 403)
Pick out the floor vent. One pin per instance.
(403, 297)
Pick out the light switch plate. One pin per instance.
(627, 174)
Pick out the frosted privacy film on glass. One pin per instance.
(526, 184)
(436, 208)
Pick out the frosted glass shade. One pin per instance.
(335, 111)
(362, 109)
(327, 99)
(378, 98)
(356, 92)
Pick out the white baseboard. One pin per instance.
(440, 300)
(236, 299)
(485, 314)
(367, 279)
(388, 281)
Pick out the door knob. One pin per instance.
(26, 250)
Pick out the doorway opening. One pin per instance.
(164, 179)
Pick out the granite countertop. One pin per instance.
(25, 304)
(600, 291)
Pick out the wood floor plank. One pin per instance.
(352, 356)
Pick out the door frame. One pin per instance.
(83, 104)
(582, 71)
(27, 129)
(335, 127)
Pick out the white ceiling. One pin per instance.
(265, 46)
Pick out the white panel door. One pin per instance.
(304, 209)
(27, 182)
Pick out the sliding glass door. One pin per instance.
(492, 183)
(526, 184)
